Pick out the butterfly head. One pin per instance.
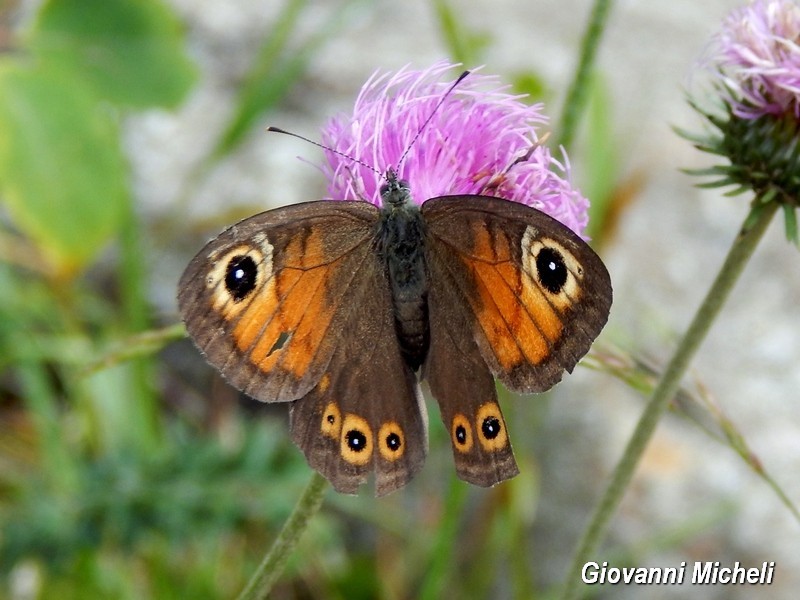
(396, 192)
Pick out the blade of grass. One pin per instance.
(277, 67)
(136, 314)
(42, 402)
(441, 560)
(739, 444)
(575, 102)
(465, 46)
(269, 79)
(138, 345)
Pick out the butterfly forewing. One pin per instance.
(463, 386)
(294, 305)
(266, 300)
(537, 294)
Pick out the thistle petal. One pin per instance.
(480, 139)
(758, 59)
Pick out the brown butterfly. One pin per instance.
(340, 306)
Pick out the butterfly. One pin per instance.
(341, 307)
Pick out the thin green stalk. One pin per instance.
(464, 44)
(440, 560)
(740, 252)
(144, 415)
(58, 463)
(274, 562)
(578, 91)
(137, 345)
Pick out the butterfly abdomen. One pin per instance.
(401, 247)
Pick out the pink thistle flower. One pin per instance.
(481, 140)
(755, 61)
(758, 59)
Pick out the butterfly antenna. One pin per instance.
(405, 152)
(430, 117)
(324, 147)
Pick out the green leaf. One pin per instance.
(62, 174)
(130, 51)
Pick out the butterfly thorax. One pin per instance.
(400, 244)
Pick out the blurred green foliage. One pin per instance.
(278, 65)
(63, 176)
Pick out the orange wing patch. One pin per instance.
(495, 248)
(305, 251)
(532, 306)
(258, 315)
(513, 337)
(519, 321)
(285, 319)
(284, 328)
(276, 330)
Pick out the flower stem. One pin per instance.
(579, 89)
(743, 246)
(274, 562)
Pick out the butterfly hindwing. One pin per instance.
(460, 381)
(366, 413)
